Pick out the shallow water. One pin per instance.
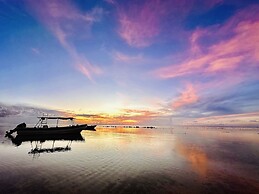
(135, 160)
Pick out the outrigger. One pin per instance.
(42, 128)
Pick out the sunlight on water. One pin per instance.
(126, 160)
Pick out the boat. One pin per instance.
(90, 127)
(42, 128)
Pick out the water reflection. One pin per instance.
(196, 156)
(37, 142)
(136, 160)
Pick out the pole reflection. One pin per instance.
(37, 142)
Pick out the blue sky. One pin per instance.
(134, 62)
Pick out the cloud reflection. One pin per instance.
(195, 155)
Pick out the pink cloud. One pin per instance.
(66, 21)
(86, 68)
(188, 96)
(224, 64)
(228, 55)
(139, 24)
(196, 35)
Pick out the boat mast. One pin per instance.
(57, 123)
(42, 121)
(37, 123)
(72, 122)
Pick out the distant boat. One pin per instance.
(42, 128)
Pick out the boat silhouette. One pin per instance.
(42, 128)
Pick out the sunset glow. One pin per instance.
(151, 62)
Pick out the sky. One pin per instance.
(157, 62)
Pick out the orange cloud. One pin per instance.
(188, 96)
(127, 116)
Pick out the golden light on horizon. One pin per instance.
(130, 121)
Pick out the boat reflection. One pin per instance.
(38, 141)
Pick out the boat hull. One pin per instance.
(52, 130)
(90, 127)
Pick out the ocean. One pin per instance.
(191, 159)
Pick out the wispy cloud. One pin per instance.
(66, 21)
(234, 119)
(25, 110)
(228, 55)
(139, 24)
(226, 102)
(113, 2)
(6, 111)
(11, 115)
(219, 58)
(121, 57)
(35, 50)
(188, 96)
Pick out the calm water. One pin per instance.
(127, 160)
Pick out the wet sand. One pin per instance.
(136, 160)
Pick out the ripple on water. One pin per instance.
(135, 162)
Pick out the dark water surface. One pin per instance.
(128, 160)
